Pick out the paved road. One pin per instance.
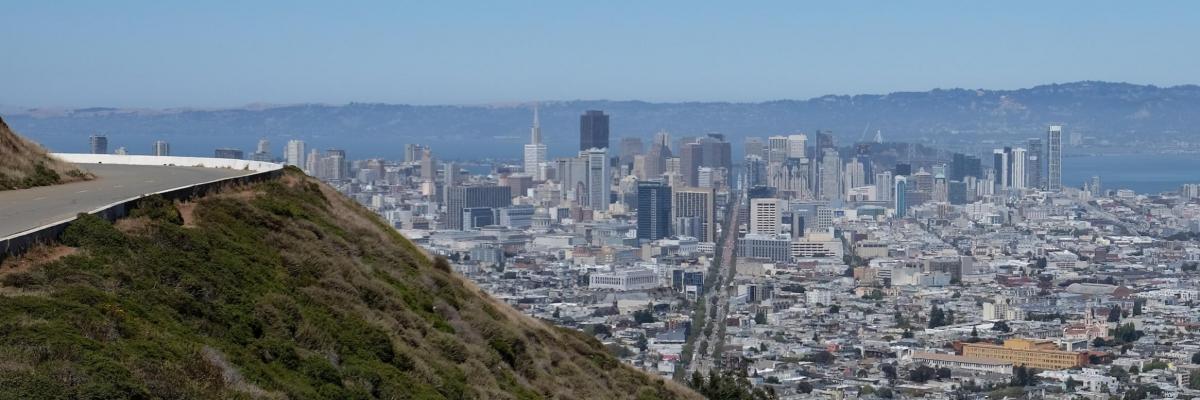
(21, 210)
(704, 361)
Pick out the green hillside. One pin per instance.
(283, 289)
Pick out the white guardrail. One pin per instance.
(206, 162)
(20, 242)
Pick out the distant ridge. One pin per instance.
(1100, 109)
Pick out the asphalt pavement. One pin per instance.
(21, 210)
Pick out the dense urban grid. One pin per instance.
(814, 269)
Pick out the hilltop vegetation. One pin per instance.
(282, 289)
(24, 164)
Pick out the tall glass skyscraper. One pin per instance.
(1054, 158)
(654, 210)
(593, 130)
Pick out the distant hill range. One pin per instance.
(944, 117)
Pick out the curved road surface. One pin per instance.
(21, 210)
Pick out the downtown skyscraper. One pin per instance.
(1054, 158)
(535, 151)
(98, 144)
(598, 179)
(593, 130)
(162, 148)
(653, 210)
(294, 153)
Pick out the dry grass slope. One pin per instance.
(283, 289)
(24, 164)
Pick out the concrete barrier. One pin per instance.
(206, 162)
(19, 243)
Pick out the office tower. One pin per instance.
(691, 156)
(593, 130)
(754, 171)
(478, 217)
(428, 174)
(1035, 163)
(630, 147)
(922, 181)
(903, 169)
(718, 154)
(1054, 158)
(765, 216)
(1095, 187)
(777, 149)
(459, 198)
(796, 146)
(228, 153)
(868, 167)
(754, 146)
(958, 167)
(162, 148)
(451, 172)
(884, 186)
(797, 221)
(824, 141)
(412, 152)
(963, 166)
(901, 196)
(830, 175)
(312, 163)
(1018, 159)
(598, 182)
(1000, 168)
(535, 151)
(706, 177)
(696, 204)
(855, 176)
(941, 189)
(653, 210)
(293, 153)
(1008, 167)
(98, 144)
(261, 152)
(572, 178)
(790, 178)
(335, 165)
(656, 158)
(956, 193)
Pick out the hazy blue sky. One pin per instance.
(174, 53)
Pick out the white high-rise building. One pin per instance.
(294, 154)
(312, 163)
(855, 175)
(796, 145)
(162, 148)
(884, 186)
(599, 181)
(535, 151)
(1054, 158)
(765, 216)
(1018, 159)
